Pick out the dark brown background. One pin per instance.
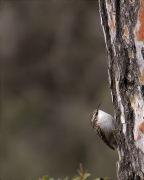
(54, 74)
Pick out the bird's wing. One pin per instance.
(102, 135)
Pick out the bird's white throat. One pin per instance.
(103, 116)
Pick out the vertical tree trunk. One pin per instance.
(123, 26)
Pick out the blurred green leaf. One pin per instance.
(86, 175)
(44, 177)
(51, 179)
(105, 178)
(82, 176)
(66, 178)
(76, 178)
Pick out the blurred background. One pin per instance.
(53, 75)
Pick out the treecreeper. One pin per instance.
(104, 125)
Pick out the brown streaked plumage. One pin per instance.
(104, 124)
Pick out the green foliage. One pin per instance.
(81, 176)
(101, 178)
(44, 178)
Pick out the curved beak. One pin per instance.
(99, 106)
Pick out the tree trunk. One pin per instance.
(123, 26)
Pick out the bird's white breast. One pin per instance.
(106, 121)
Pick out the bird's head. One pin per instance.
(94, 116)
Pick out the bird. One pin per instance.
(104, 125)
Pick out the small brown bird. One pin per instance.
(104, 124)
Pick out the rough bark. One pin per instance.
(123, 26)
